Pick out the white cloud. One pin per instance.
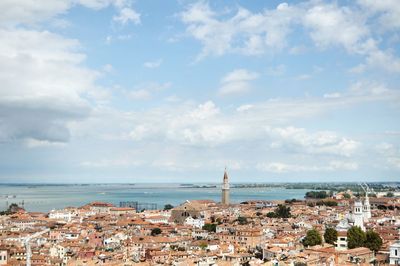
(332, 95)
(244, 32)
(199, 135)
(29, 11)
(388, 12)
(244, 107)
(121, 37)
(322, 142)
(237, 82)
(153, 64)
(383, 60)
(38, 96)
(205, 111)
(34, 143)
(390, 152)
(145, 91)
(333, 25)
(279, 167)
(239, 75)
(15, 12)
(126, 15)
(328, 24)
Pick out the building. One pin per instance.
(225, 189)
(3, 257)
(359, 215)
(341, 242)
(394, 257)
(188, 209)
(367, 209)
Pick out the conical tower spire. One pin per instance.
(225, 175)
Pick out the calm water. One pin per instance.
(47, 197)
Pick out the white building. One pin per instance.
(341, 242)
(199, 233)
(367, 209)
(157, 219)
(196, 223)
(394, 256)
(63, 215)
(358, 215)
(3, 257)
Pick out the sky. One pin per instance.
(95, 91)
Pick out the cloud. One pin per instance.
(279, 167)
(38, 97)
(390, 152)
(145, 91)
(388, 12)
(333, 25)
(153, 64)
(327, 24)
(30, 12)
(190, 136)
(321, 142)
(34, 143)
(126, 15)
(237, 82)
(244, 32)
(121, 37)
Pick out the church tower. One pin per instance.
(367, 209)
(225, 189)
(359, 215)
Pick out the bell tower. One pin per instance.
(358, 214)
(225, 189)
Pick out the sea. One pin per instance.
(47, 197)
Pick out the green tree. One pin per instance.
(373, 241)
(203, 245)
(312, 238)
(242, 220)
(155, 231)
(13, 208)
(210, 227)
(330, 235)
(329, 203)
(317, 194)
(355, 237)
(168, 207)
(282, 211)
(389, 194)
(271, 215)
(346, 195)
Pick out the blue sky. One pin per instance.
(171, 91)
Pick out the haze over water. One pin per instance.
(44, 198)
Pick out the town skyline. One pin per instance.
(97, 91)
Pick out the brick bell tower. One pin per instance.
(225, 189)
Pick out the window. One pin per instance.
(395, 252)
